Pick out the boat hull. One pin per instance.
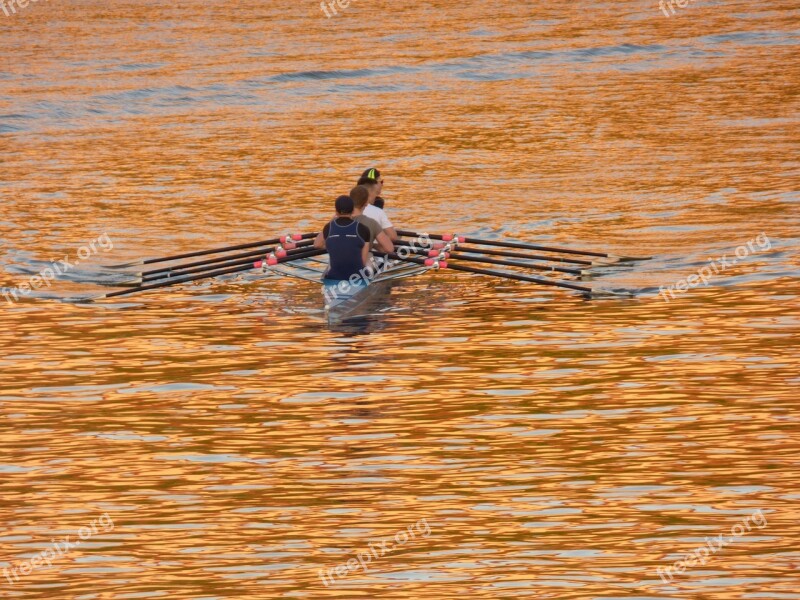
(356, 301)
(344, 300)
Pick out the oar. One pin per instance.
(570, 286)
(189, 278)
(244, 260)
(508, 263)
(150, 261)
(210, 263)
(511, 263)
(503, 275)
(600, 262)
(524, 246)
(203, 265)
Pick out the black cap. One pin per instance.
(370, 176)
(344, 205)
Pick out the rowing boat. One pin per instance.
(349, 299)
(294, 256)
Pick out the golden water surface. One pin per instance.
(491, 439)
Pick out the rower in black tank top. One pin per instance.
(345, 240)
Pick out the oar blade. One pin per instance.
(631, 258)
(128, 282)
(617, 294)
(84, 299)
(128, 265)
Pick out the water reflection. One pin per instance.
(558, 447)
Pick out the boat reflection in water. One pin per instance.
(351, 307)
(360, 311)
(357, 305)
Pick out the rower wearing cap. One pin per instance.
(347, 242)
(372, 180)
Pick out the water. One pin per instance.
(228, 443)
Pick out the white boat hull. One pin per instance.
(342, 299)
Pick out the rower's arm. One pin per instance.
(391, 233)
(384, 243)
(319, 241)
(365, 254)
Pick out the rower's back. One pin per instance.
(344, 244)
(347, 242)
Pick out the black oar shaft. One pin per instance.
(154, 286)
(179, 269)
(518, 277)
(521, 245)
(511, 263)
(501, 274)
(506, 263)
(151, 261)
(210, 261)
(242, 261)
(206, 275)
(170, 275)
(558, 259)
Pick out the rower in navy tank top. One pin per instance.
(347, 242)
(344, 248)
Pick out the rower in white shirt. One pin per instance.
(372, 180)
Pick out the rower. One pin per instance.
(347, 243)
(372, 180)
(378, 237)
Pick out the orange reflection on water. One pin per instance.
(558, 447)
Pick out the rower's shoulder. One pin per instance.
(372, 209)
(368, 221)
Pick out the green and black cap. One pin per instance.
(370, 176)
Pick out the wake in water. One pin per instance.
(41, 279)
(41, 274)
